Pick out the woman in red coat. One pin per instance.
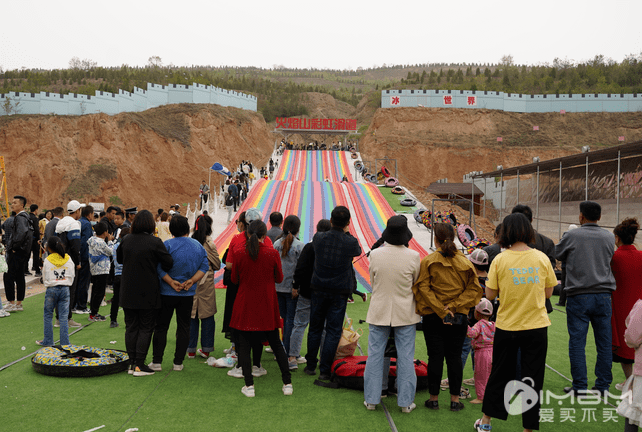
(255, 315)
(627, 269)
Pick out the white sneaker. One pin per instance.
(72, 323)
(18, 308)
(229, 350)
(268, 349)
(10, 307)
(287, 389)
(369, 407)
(177, 367)
(236, 372)
(301, 360)
(409, 408)
(155, 367)
(258, 371)
(248, 391)
(4, 313)
(103, 303)
(57, 324)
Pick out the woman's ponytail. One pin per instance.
(255, 231)
(291, 226)
(56, 246)
(445, 235)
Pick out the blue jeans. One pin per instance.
(207, 334)
(330, 309)
(56, 296)
(465, 350)
(301, 321)
(374, 374)
(581, 310)
(287, 309)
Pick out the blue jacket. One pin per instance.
(86, 232)
(189, 257)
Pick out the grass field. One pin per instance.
(394, 201)
(204, 398)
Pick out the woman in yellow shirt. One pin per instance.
(446, 290)
(523, 278)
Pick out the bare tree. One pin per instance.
(88, 64)
(507, 60)
(75, 63)
(155, 61)
(11, 106)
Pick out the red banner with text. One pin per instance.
(316, 124)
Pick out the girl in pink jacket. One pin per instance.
(631, 405)
(482, 335)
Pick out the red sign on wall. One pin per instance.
(316, 124)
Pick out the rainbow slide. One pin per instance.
(300, 189)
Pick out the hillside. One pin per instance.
(433, 143)
(151, 159)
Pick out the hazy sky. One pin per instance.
(323, 34)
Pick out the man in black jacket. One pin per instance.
(18, 248)
(542, 243)
(331, 285)
(35, 243)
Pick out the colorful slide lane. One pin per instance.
(321, 165)
(314, 200)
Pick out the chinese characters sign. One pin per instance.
(316, 124)
(394, 100)
(470, 100)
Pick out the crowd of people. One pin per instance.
(492, 304)
(316, 145)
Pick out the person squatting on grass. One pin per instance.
(177, 288)
(394, 269)
(204, 306)
(141, 253)
(523, 278)
(58, 273)
(289, 247)
(446, 290)
(255, 315)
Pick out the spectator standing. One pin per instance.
(163, 227)
(68, 229)
(627, 270)
(233, 190)
(204, 306)
(276, 220)
(140, 254)
(19, 243)
(110, 214)
(482, 335)
(541, 242)
(50, 228)
(331, 285)
(84, 274)
(289, 247)
(101, 249)
(394, 269)
(205, 193)
(118, 272)
(446, 290)
(35, 242)
(588, 251)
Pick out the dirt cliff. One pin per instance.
(150, 159)
(433, 143)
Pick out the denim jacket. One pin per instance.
(288, 263)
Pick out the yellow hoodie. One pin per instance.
(58, 270)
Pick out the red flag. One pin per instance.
(499, 139)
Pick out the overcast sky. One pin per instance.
(323, 34)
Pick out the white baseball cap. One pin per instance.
(74, 205)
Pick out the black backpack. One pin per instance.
(25, 247)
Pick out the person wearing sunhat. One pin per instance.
(394, 269)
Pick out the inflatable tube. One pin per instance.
(478, 243)
(352, 149)
(373, 179)
(353, 155)
(425, 219)
(358, 165)
(419, 215)
(391, 182)
(385, 171)
(361, 168)
(408, 202)
(380, 176)
(79, 361)
(397, 190)
(449, 217)
(465, 234)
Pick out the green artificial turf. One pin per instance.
(204, 398)
(394, 201)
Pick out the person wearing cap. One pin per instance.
(482, 335)
(68, 229)
(523, 278)
(394, 269)
(130, 214)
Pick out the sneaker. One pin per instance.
(10, 307)
(18, 308)
(469, 381)
(456, 406)
(369, 407)
(4, 313)
(57, 323)
(236, 372)
(191, 355)
(72, 323)
(268, 349)
(433, 405)
(248, 391)
(409, 408)
(96, 318)
(177, 368)
(350, 301)
(293, 365)
(301, 360)
(85, 311)
(482, 427)
(156, 367)
(287, 389)
(130, 371)
(39, 342)
(224, 362)
(202, 353)
(309, 371)
(258, 371)
(113, 324)
(103, 303)
(38, 274)
(143, 370)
